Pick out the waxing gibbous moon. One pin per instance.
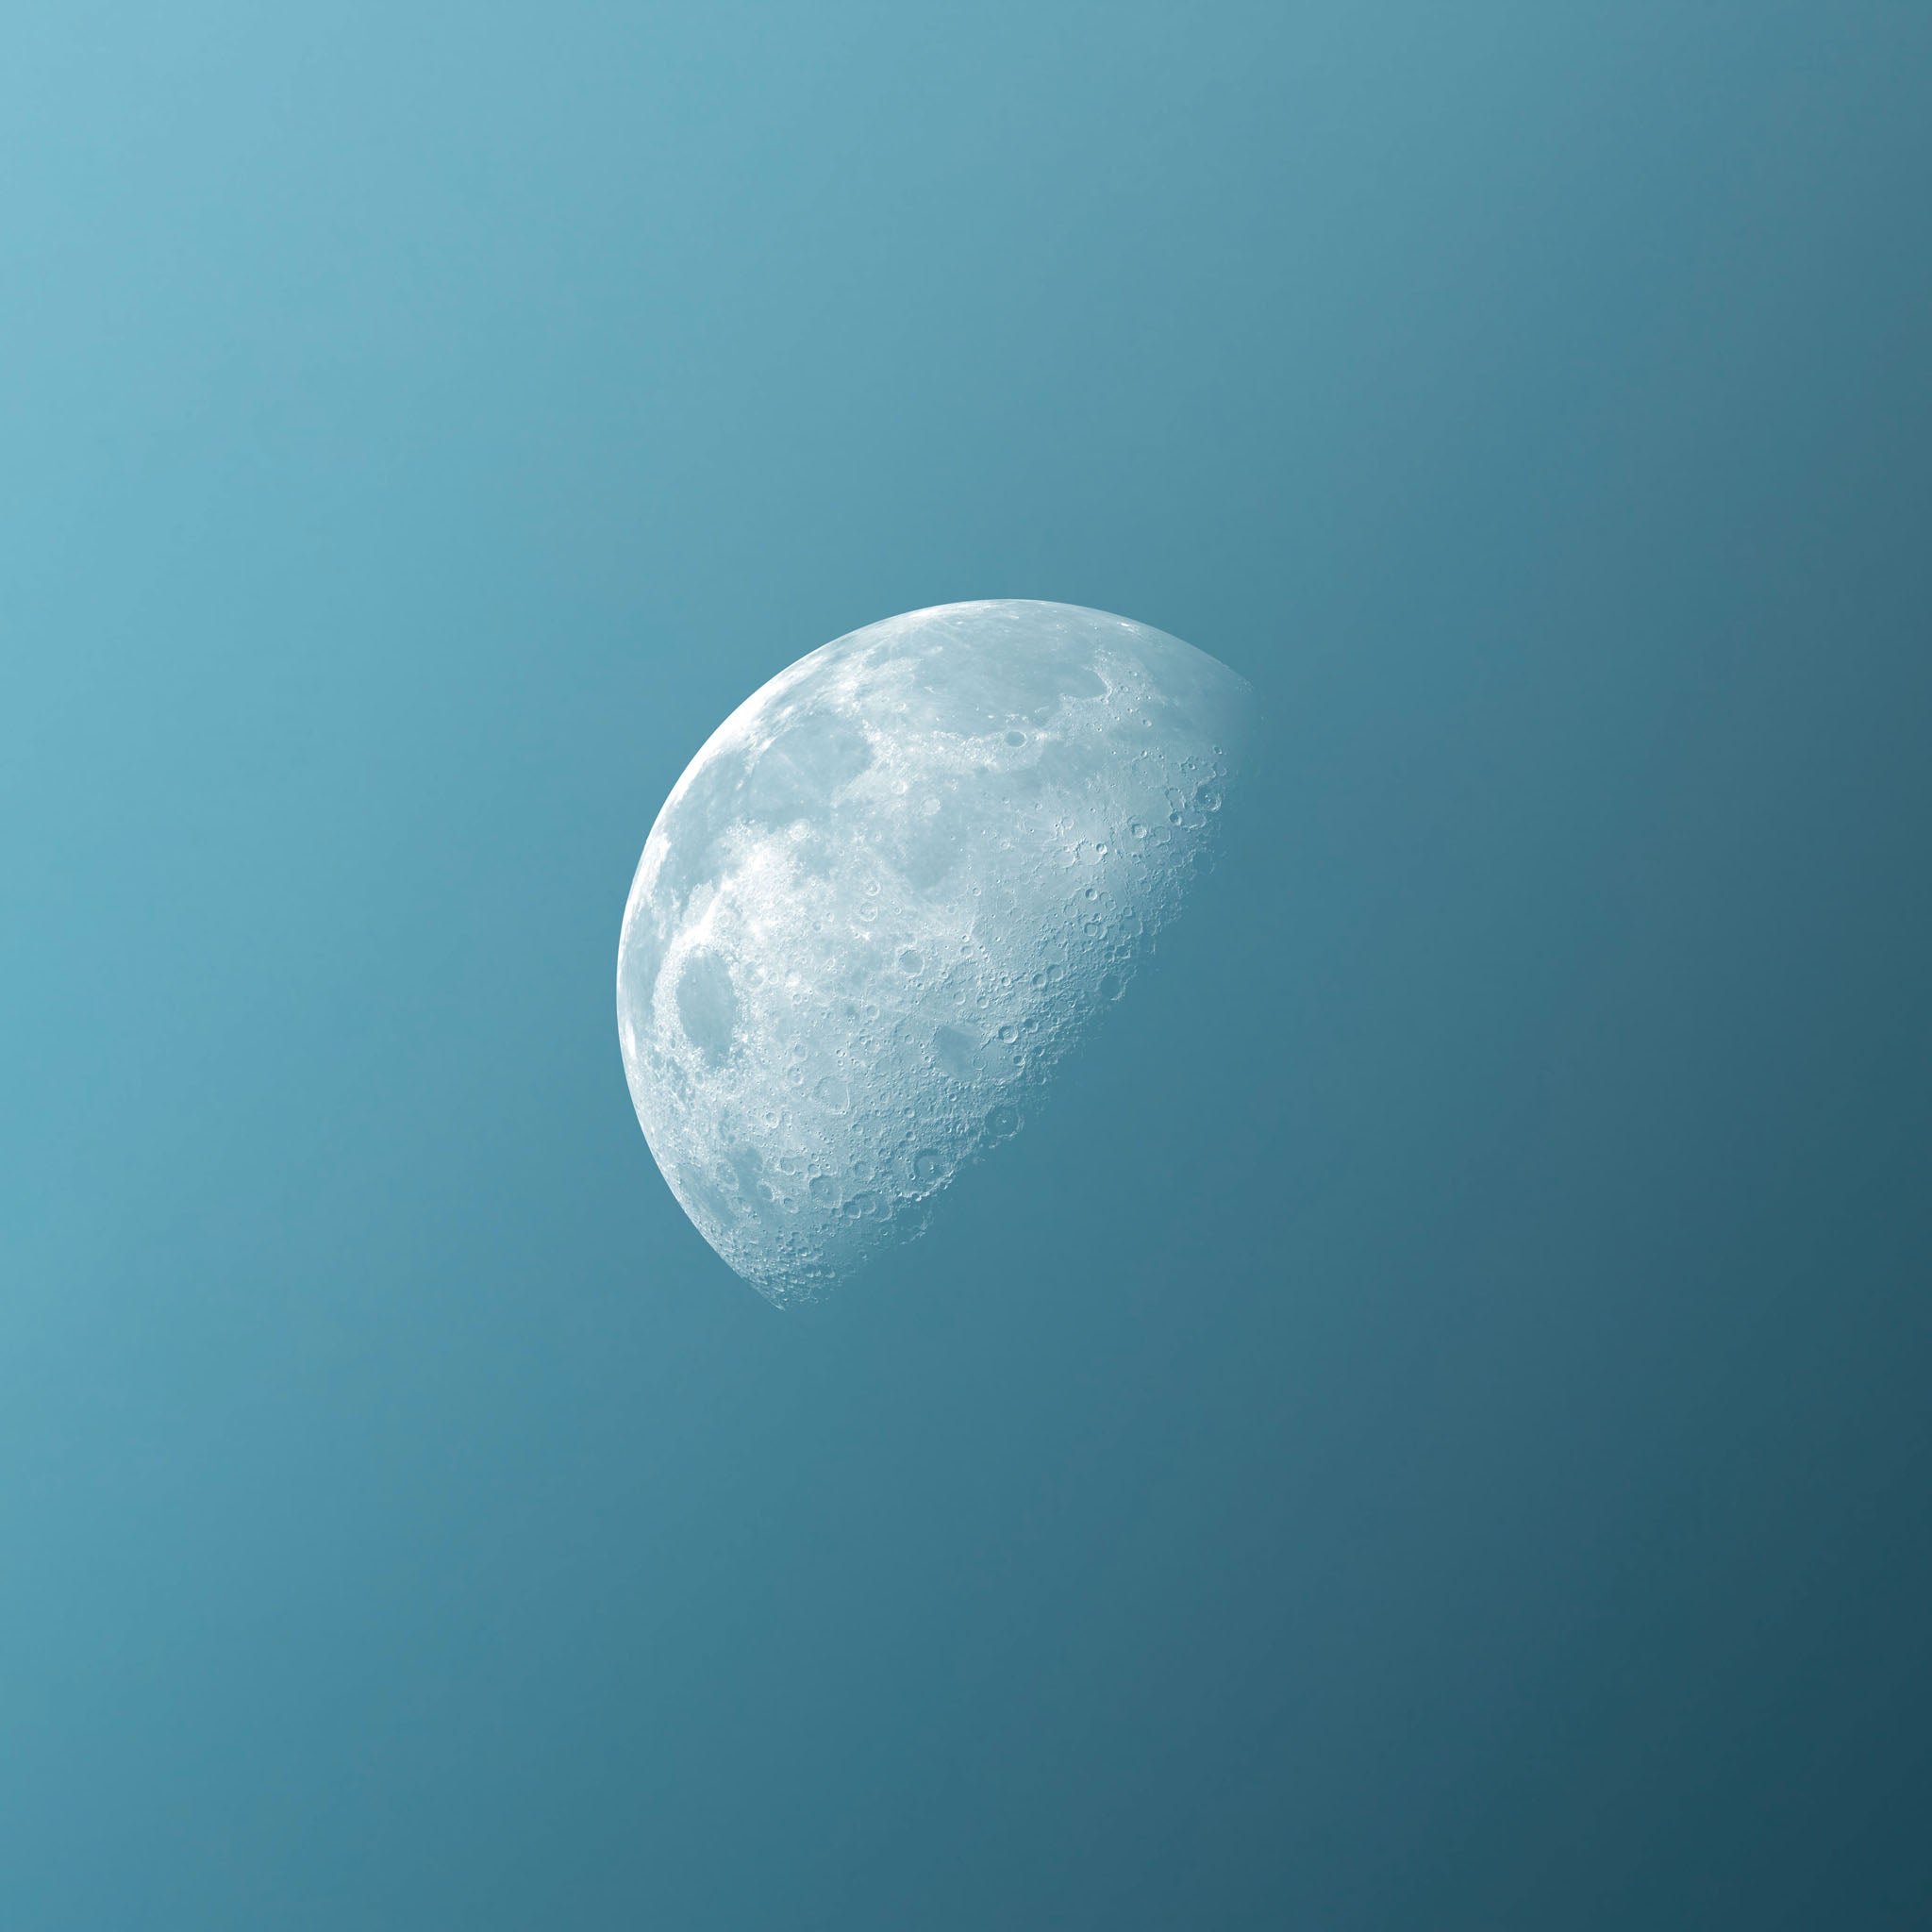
(893, 890)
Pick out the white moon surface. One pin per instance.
(893, 891)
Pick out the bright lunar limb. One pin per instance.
(889, 895)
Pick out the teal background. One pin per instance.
(1432, 1430)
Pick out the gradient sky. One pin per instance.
(1431, 1431)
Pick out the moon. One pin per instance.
(896, 887)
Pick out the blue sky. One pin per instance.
(1434, 1434)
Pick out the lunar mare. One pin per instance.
(893, 891)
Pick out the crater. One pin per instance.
(955, 1049)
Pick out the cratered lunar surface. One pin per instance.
(893, 891)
